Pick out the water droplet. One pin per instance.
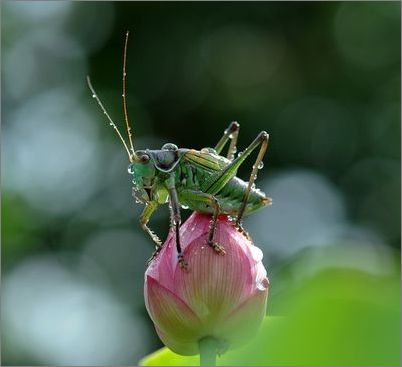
(253, 186)
(208, 150)
(184, 206)
(234, 149)
(130, 170)
(263, 284)
(137, 201)
(240, 154)
(261, 165)
(230, 136)
(111, 123)
(123, 95)
(93, 95)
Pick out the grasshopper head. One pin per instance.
(142, 171)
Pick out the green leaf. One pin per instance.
(165, 357)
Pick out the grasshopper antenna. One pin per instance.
(124, 96)
(111, 123)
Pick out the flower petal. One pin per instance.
(161, 267)
(216, 284)
(243, 322)
(169, 312)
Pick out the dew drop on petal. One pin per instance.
(263, 284)
(261, 165)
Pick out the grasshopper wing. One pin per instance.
(220, 169)
(206, 160)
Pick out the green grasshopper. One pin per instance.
(200, 180)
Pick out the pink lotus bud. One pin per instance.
(223, 297)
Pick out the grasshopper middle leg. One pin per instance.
(201, 199)
(175, 218)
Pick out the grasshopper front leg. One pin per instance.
(144, 219)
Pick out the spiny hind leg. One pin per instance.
(199, 200)
(262, 141)
(231, 133)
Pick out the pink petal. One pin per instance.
(195, 226)
(162, 268)
(216, 284)
(243, 322)
(169, 312)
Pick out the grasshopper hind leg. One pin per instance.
(262, 141)
(231, 133)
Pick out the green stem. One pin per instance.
(208, 347)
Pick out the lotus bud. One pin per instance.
(220, 297)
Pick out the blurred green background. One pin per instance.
(322, 78)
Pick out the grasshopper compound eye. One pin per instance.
(144, 158)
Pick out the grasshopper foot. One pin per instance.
(182, 263)
(240, 228)
(219, 249)
(154, 255)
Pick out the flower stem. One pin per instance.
(208, 346)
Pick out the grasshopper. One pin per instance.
(200, 180)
